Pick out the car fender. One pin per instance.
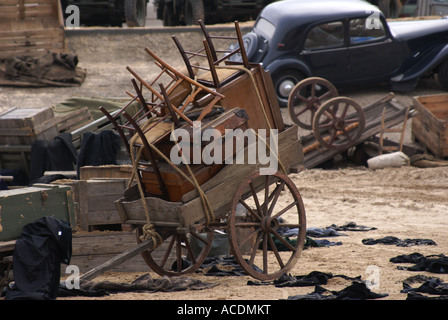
(288, 63)
(425, 65)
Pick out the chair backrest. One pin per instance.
(212, 75)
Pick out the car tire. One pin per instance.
(284, 81)
(169, 18)
(135, 13)
(442, 75)
(194, 11)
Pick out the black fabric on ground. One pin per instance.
(144, 283)
(431, 285)
(312, 279)
(351, 226)
(57, 155)
(98, 149)
(398, 242)
(356, 291)
(43, 245)
(408, 258)
(323, 232)
(431, 263)
(222, 266)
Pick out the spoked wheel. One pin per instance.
(177, 254)
(306, 98)
(267, 225)
(339, 123)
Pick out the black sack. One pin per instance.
(43, 245)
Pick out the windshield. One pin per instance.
(265, 27)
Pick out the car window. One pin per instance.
(326, 35)
(364, 30)
(265, 27)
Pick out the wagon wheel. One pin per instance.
(339, 123)
(257, 236)
(306, 98)
(169, 259)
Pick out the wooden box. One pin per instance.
(106, 171)
(90, 249)
(430, 126)
(30, 26)
(19, 207)
(23, 126)
(176, 184)
(95, 201)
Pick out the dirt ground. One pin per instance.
(405, 202)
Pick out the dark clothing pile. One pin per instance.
(398, 242)
(43, 245)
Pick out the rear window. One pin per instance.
(265, 27)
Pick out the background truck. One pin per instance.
(390, 8)
(188, 12)
(109, 12)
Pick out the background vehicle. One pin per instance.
(188, 12)
(109, 12)
(346, 42)
(390, 8)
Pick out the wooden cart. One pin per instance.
(338, 123)
(261, 212)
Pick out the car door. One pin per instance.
(372, 52)
(325, 51)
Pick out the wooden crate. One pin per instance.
(95, 201)
(106, 171)
(430, 126)
(24, 205)
(30, 26)
(90, 249)
(23, 126)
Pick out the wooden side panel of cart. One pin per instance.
(221, 189)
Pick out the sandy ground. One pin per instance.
(406, 202)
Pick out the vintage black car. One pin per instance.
(348, 42)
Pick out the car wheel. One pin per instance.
(135, 13)
(194, 11)
(442, 75)
(169, 18)
(284, 82)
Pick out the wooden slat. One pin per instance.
(27, 26)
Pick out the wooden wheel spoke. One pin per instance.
(254, 195)
(265, 252)
(276, 253)
(281, 212)
(250, 210)
(168, 251)
(282, 240)
(254, 249)
(249, 237)
(276, 194)
(266, 195)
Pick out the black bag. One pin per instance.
(43, 245)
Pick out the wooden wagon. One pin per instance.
(177, 209)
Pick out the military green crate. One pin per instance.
(24, 205)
